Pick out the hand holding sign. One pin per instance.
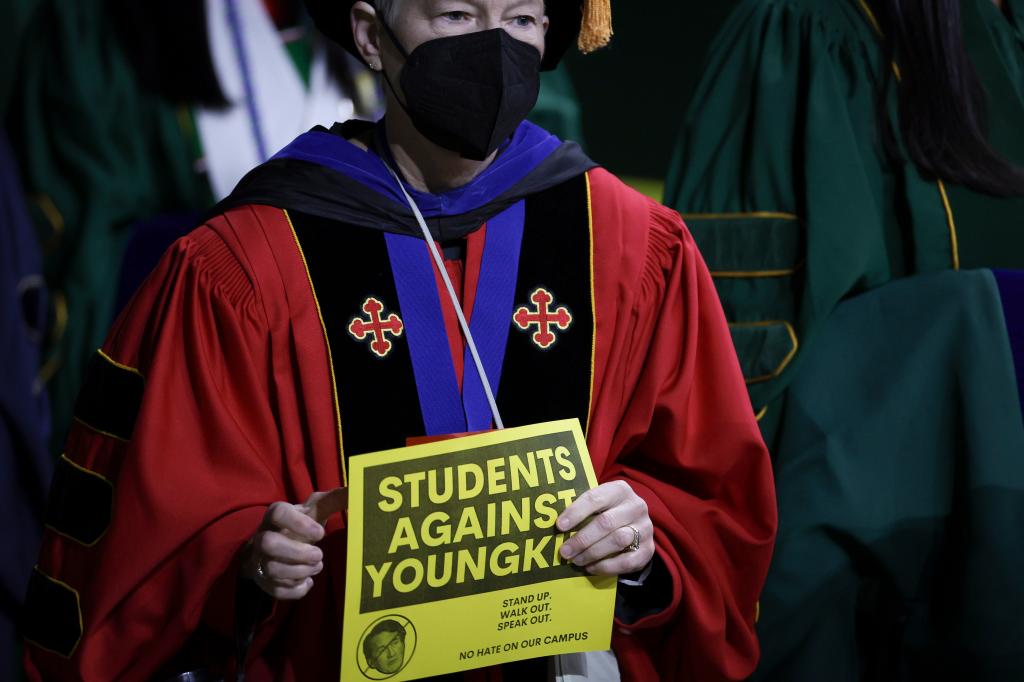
(619, 513)
(282, 557)
(454, 544)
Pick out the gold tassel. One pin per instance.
(596, 30)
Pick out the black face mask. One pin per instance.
(468, 93)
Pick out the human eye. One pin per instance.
(525, 21)
(456, 16)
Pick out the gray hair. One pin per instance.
(387, 9)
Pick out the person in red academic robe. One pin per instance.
(305, 322)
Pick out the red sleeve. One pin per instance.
(190, 483)
(671, 416)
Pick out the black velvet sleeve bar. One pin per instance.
(633, 603)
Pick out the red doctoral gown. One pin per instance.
(237, 413)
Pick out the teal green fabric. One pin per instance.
(97, 154)
(783, 182)
(882, 379)
(900, 473)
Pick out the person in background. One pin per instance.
(840, 157)
(214, 426)
(172, 104)
(254, 74)
(25, 463)
(128, 119)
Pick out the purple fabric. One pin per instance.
(492, 311)
(529, 146)
(420, 308)
(444, 410)
(1011, 292)
(25, 465)
(149, 239)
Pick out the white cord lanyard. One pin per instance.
(455, 299)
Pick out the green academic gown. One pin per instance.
(782, 179)
(97, 154)
(900, 482)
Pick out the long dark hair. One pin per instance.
(943, 109)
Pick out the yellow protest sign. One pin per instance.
(453, 556)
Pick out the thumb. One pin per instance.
(322, 506)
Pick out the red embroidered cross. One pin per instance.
(376, 327)
(543, 318)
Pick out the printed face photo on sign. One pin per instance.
(460, 537)
(384, 647)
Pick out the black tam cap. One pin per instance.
(588, 22)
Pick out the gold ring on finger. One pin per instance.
(634, 546)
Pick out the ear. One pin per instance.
(365, 33)
(545, 24)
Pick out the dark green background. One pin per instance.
(634, 93)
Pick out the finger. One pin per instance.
(609, 545)
(290, 593)
(278, 571)
(632, 512)
(272, 546)
(592, 502)
(321, 506)
(282, 516)
(608, 529)
(599, 527)
(624, 563)
(267, 582)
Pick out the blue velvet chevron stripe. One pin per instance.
(1011, 293)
